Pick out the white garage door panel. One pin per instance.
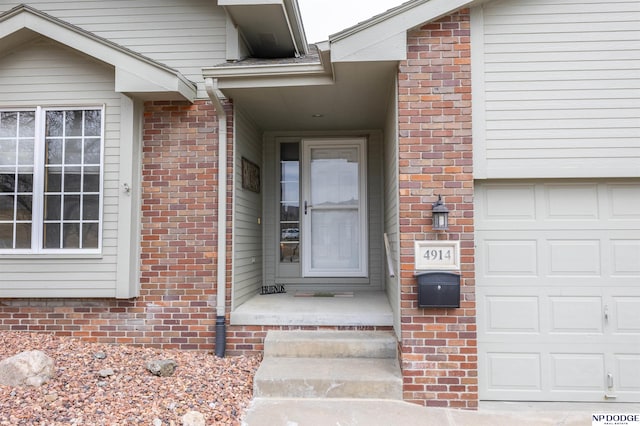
(558, 290)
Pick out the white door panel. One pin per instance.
(558, 291)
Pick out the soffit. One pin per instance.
(355, 97)
(270, 28)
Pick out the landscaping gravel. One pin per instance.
(84, 393)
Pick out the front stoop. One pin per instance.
(329, 364)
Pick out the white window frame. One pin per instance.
(37, 233)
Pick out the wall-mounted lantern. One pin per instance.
(440, 216)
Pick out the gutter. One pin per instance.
(216, 97)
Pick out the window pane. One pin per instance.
(91, 179)
(90, 235)
(8, 124)
(6, 207)
(92, 123)
(27, 124)
(53, 123)
(54, 151)
(73, 151)
(90, 207)
(6, 235)
(24, 207)
(51, 235)
(289, 191)
(53, 179)
(73, 123)
(290, 232)
(7, 182)
(72, 179)
(71, 207)
(289, 252)
(7, 152)
(23, 235)
(71, 235)
(290, 151)
(25, 152)
(289, 212)
(25, 182)
(92, 151)
(52, 207)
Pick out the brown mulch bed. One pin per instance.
(219, 388)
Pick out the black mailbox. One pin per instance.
(438, 290)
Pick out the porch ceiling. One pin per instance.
(356, 98)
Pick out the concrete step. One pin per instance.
(330, 344)
(281, 377)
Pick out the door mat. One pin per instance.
(324, 294)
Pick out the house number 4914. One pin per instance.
(437, 255)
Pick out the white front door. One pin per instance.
(333, 210)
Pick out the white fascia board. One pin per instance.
(392, 48)
(128, 63)
(370, 40)
(269, 76)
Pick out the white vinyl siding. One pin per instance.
(47, 74)
(247, 229)
(556, 88)
(185, 35)
(557, 288)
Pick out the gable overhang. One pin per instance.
(309, 96)
(384, 37)
(135, 74)
(270, 28)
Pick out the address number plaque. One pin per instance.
(437, 255)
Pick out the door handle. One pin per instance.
(306, 206)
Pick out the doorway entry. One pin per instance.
(323, 208)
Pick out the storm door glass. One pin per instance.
(333, 209)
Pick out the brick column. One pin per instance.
(439, 346)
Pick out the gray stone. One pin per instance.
(162, 367)
(99, 355)
(107, 372)
(193, 418)
(30, 368)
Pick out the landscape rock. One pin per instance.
(107, 372)
(193, 418)
(162, 367)
(99, 355)
(29, 368)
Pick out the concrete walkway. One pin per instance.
(374, 412)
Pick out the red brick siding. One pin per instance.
(178, 245)
(439, 352)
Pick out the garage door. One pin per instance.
(558, 290)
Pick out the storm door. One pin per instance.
(333, 208)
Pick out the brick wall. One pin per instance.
(439, 352)
(178, 244)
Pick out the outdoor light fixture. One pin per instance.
(440, 216)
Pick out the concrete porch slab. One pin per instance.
(363, 309)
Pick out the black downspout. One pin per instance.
(221, 332)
